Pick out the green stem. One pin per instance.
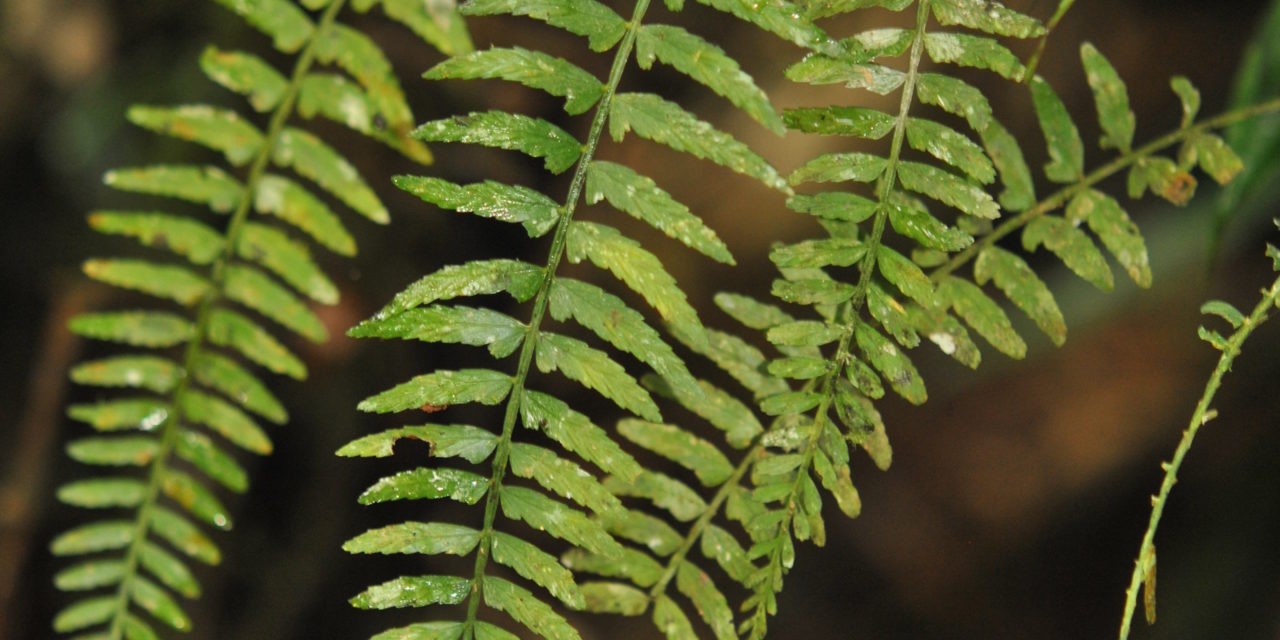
(1064, 195)
(170, 428)
(1202, 415)
(543, 297)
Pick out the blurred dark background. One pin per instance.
(1019, 492)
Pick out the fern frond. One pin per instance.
(905, 284)
(546, 487)
(194, 396)
(1144, 570)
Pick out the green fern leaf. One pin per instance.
(229, 329)
(778, 17)
(861, 122)
(459, 325)
(891, 363)
(808, 254)
(838, 167)
(973, 51)
(175, 283)
(670, 620)
(1070, 244)
(289, 201)
(257, 291)
(233, 381)
(608, 317)
(1118, 233)
(544, 514)
(531, 136)
(947, 188)
(984, 315)
(90, 575)
(114, 452)
(665, 122)
(633, 564)
(833, 205)
(441, 389)
(434, 631)
(719, 408)
(136, 328)
(489, 199)
(950, 146)
(611, 597)
(707, 64)
(576, 433)
(905, 275)
(1112, 99)
(534, 69)
(225, 420)
(416, 484)
(182, 535)
(685, 449)
(218, 129)
(416, 591)
(1015, 175)
(143, 372)
(1066, 151)
(102, 493)
(188, 493)
(987, 16)
(707, 599)
(286, 24)
(639, 196)
(246, 74)
(364, 61)
(818, 69)
(478, 277)
(916, 223)
(472, 444)
(537, 565)
(208, 185)
(560, 476)
(200, 451)
(169, 570)
(439, 25)
(643, 529)
(1024, 288)
(313, 159)
(665, 492)
(416, 537)
(288, 259)
(599, 24)
(193, 240)
(594, 370)
(608, 249)
(527, 609)
(114, 415)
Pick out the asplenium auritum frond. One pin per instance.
(527, 488)
(191, 394)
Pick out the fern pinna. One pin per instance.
(888, 270)
(191, 397)
(517, 475)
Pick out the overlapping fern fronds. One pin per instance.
(524, 487)
(168, 413)
(887, 273)
(890, 270)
